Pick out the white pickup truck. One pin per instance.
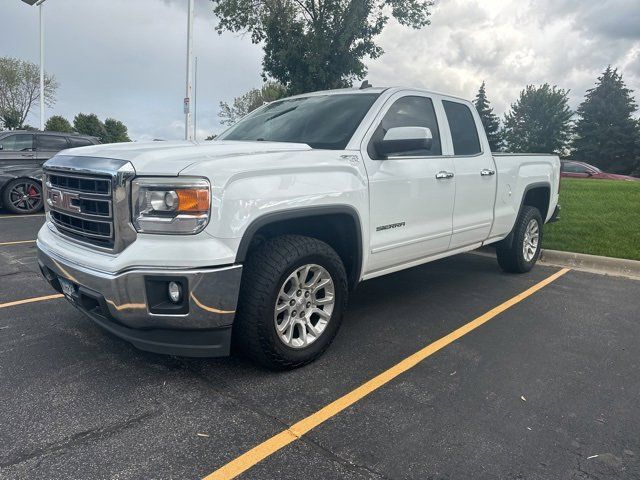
(256, 239)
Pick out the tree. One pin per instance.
(539, 121)
(20, 87)
(606, 134)
(248, 102)
(490, 120)
(58, 123)
(11, 119)
(116, 131)
(317, 44)
(89, 124)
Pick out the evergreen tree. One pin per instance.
(490, 120)
(58, 123)
(539, 121)
(116, 131)
(89, 124)
(606, 134)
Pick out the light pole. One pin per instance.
(39, 3)
(188, 130)
(195, 101)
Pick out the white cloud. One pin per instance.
(512, 43)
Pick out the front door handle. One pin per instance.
(28, 155)
(487, 172)
(442, 175)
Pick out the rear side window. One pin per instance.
(79, 142)
(410, 111)
(52, 143)
(464, 132)
(17, 143)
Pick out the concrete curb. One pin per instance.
(618, 267)
(592, 263)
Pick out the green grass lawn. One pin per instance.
(599, 217)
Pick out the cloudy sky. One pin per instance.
(126, 58)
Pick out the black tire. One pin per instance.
(14, 193)
(265, 271)
(511, 258)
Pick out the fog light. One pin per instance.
(175, 292)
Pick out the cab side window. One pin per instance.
(17, 143)
(410, 111)
(464, 131)
(571, 167)
(52, 143)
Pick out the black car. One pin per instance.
(22, 154)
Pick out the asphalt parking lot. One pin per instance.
(549, 388)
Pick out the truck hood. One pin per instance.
(170, 158)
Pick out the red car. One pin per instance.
(571, 169)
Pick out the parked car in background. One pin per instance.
(571, 169)
(22, 154)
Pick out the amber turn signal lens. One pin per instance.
(193, 200)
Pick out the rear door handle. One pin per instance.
(486, 172)
(442, 175)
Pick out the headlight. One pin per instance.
(170, 205)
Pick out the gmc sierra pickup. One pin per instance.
(256, 239)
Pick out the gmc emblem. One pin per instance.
(65, 201)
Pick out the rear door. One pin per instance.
(48, 145)
(475, 175)
(410, 207)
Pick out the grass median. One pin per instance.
(598, 217)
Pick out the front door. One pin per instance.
(412, 192)
(17, 154)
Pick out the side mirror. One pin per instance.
(1, 147)
(405, 139)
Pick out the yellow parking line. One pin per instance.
(17, 243)
(247, 460)
(31, 300)
(2, 217)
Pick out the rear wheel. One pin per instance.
(524, 251)
(22, 196)
(293, 294)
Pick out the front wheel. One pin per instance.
(22, 196)
(524, 251)
(293, 293)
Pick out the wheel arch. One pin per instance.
(341, 228)
(537, 194)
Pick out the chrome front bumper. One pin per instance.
(119, 303)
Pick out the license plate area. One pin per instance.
(69, 289)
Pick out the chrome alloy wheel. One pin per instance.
(531, 239)
(304, 306)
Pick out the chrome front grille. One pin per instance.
(80, 207)
(87, 200)
(75, 183)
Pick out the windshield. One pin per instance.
(320, 121)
